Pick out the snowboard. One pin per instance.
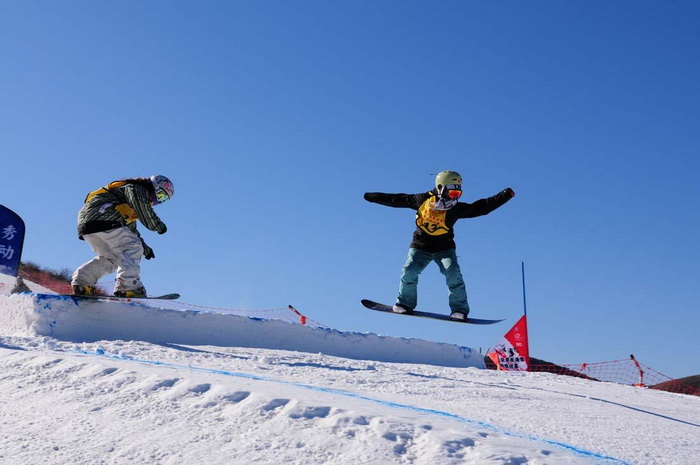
(172, 296)
(435, 316)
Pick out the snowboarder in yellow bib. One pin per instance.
(437, 211)
(107, 222)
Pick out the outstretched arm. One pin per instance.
(485, 206)
(395, 200)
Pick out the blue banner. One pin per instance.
(11, 241)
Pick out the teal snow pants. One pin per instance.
(446, 260)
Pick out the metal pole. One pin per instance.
(524, 299)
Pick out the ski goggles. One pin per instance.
(162, 195)
(454, 193)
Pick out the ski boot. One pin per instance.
(132, 293)
(79, 289)
(398, 308)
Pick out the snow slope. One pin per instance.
(118, 402)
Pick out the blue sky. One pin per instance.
(273, 118)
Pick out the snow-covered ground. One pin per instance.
(124, 402)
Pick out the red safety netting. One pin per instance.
(288, 314)
(41, 278)
(627, 371)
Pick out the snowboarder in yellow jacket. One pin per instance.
(107, 222)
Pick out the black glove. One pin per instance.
(509, 192)
(147, 252)
(163, 230)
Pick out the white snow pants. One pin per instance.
(117, 249)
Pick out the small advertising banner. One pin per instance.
(11, 241)
(513, 353)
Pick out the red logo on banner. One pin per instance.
(513, 353)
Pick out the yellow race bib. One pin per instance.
(431, 221)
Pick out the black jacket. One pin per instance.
(434, 228)
(120, 203)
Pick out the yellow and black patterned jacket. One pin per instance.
(120, 203)
(434, 228)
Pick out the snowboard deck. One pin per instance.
(372, 305)
(172, 296)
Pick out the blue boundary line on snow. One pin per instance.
(452, 416)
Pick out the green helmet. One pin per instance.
(445, 178)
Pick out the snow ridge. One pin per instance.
(82, 320)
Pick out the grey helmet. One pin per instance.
(164, 189)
